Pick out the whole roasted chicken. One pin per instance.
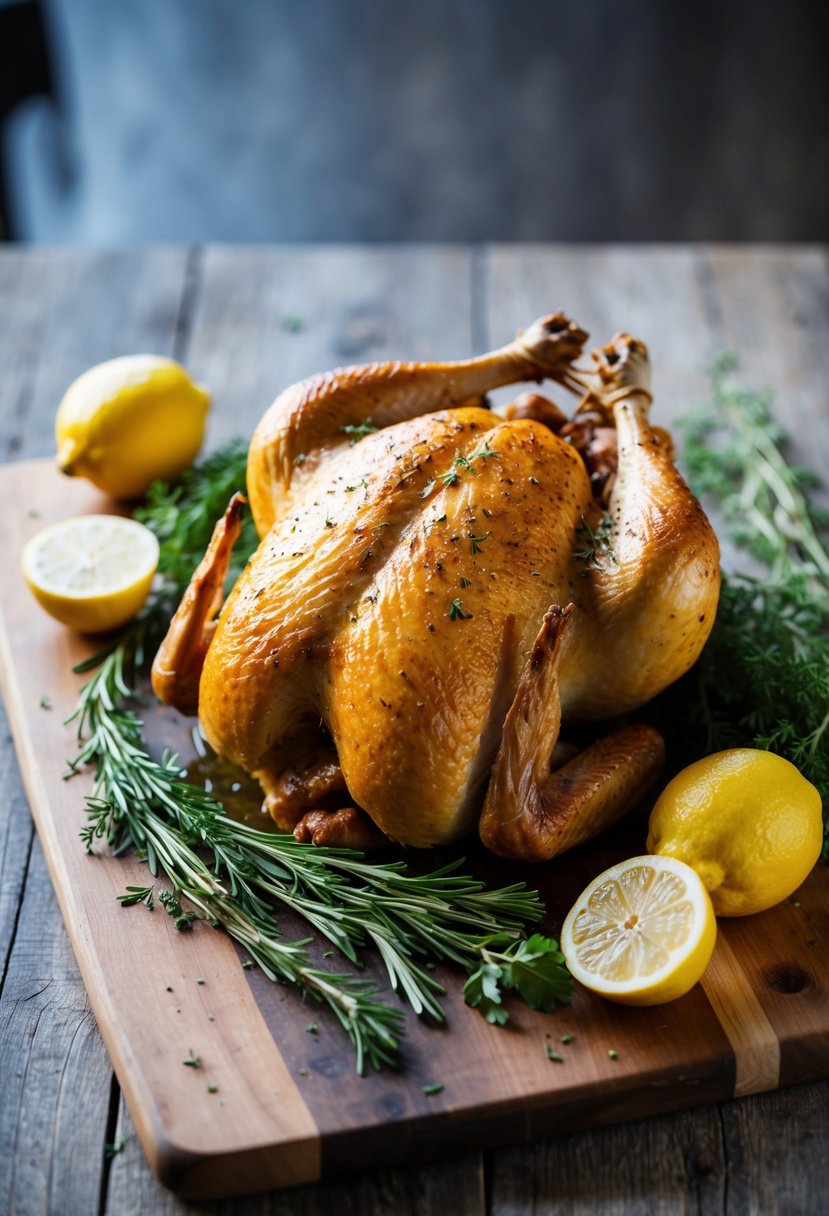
(439, 587)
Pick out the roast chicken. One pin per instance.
(439, 588)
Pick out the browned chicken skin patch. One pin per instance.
(430, 600)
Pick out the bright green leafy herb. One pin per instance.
(534, 968)
(456, 612)
(431, 1090)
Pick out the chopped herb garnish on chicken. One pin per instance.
(485, 452)
(358, 432)
(596, 544)
(456, 611)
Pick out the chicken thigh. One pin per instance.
(438, 588)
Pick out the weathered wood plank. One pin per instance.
(652, 1168)
(266, 317)
(63, 311)
(770, 305)
(16, 833)
(775, 1152)
(455, 1187)
(54, 1096)
(71, 309)
(650, 292)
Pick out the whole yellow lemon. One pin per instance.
(747, 821)
(129, 421)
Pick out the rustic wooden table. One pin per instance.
(248, 321)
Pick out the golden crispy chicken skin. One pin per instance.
(437, 588)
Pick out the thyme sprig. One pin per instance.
(596, 544)
(231, 874)
(763, 677)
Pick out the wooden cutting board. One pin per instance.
(289, 1106)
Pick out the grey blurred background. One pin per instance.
(297, 120)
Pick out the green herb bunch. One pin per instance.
(763, 677)
(234, 875)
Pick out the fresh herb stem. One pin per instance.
(763, 678)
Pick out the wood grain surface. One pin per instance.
(223, 310)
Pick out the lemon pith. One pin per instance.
(641, 933)
(747, 821)
(92, 573)
(128, 421)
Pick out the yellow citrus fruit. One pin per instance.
(92, 573)
(128, 421)
(747, 821)
(641, 933)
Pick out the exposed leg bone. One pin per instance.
(178, 664)
(658, 585)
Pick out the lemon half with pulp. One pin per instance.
(91, 573)
(642, 933)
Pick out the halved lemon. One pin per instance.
(92, 573)
(641, 933)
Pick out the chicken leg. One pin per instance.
(311, 419)
(657, 583)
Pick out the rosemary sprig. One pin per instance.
(763, 677)
(231, 874)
